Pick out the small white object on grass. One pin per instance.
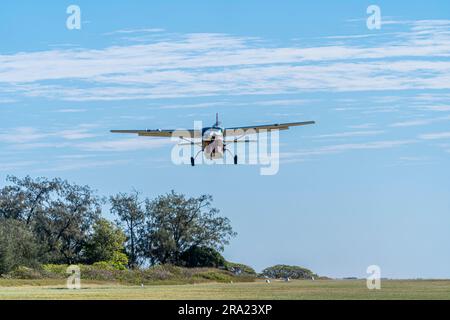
(142, 285)
(267, 281)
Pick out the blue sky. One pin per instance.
(368, 184)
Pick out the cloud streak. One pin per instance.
(208, 64)
(346, 147)
(435, 136)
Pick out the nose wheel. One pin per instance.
(235, 158)
(193, 158)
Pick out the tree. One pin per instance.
(285, 271)
(26, 197)
(12, 204)
(127, 208)
(18, 246)
(106, 244)
(202, 257)
(64, 226)
(60, 214)
(176, 223)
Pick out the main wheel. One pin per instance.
(235, 159)
(192, 161)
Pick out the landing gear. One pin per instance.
(193, 158)
(235, 159)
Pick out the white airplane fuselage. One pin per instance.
(212, 142)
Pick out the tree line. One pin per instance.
(53, 221)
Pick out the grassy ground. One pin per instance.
(319, 289)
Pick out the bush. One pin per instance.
(239, 268)
(162, 272)
(103, 265)
(106, 244)
(159, 274)
(55, 270)
(119, 262)
(25, 273)
(285, 271)
(93, 272)
(202, 257)
(215, 275)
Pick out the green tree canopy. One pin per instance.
(106, 244)
(26, 197)
(58, 213)
(286, 271)
(64, 226)
(176, 223)
(202, 257)
(18, 246)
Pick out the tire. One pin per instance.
(192, 161)
(235, 159)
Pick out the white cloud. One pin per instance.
(127, 31)
(75, 134)
(205, 64)
(71, 110)
(362, 126)
(21, 135)
(130, 144)
(435, 136)
(339, 148)
(419, 122)
(31, 137)
(441, 108)
(80, 164)
(14, 165)
(350, 134)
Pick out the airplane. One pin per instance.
(213, 144)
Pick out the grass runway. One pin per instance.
(303, 289)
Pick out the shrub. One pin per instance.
(285, 271)
(161, 272)
(202, 257)
(53, 270)
(103, 271)
(119, 262)
(103, 265)
(215, 275)
(239, 268)
(22, 272)
(107, 244)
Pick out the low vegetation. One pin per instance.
(160, 274)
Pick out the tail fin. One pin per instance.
(217, 119)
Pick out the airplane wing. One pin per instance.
(275, 126)
(163, 133)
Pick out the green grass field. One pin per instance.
(304, 289)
